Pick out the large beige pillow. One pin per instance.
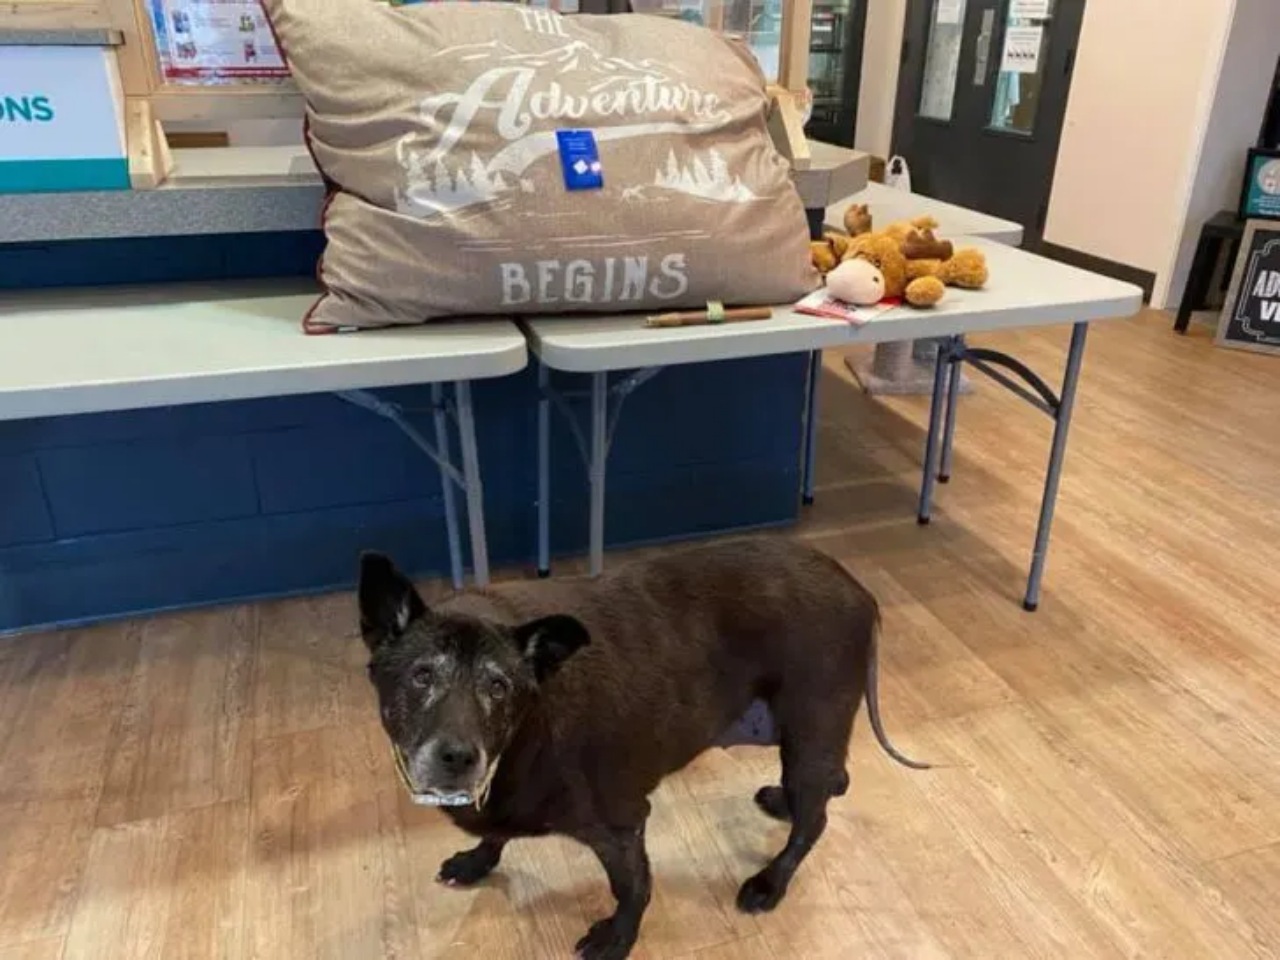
(436, 125)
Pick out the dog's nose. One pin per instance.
(457, 758)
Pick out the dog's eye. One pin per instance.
(421, 677)
(496, 687)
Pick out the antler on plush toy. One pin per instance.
(923, 245)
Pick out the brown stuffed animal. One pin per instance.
(823, 255)
(925, 292)
(828, 252)
(923, 268)
(839, 243)
(919, 281)
(886, 253)
(904, 228)
(967, 269)
(857, 220)
(927, 256)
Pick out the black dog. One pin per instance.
(557, 707)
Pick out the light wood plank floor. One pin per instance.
(213, 785)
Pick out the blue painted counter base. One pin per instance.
(119, 514)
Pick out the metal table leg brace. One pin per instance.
(595, 453)
(467, 477)
(810, 427)
(942, 419)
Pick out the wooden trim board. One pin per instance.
(55, 15)
(793, 56)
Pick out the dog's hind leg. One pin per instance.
(807, 787)
(471, 866)
(773, 800)
(815, 748)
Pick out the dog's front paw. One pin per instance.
(467, 868)
(606, 940)
(760, 894)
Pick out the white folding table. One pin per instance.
(1024, 291)
(90, 351)
(888, 205)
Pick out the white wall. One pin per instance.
(881, 50)
(1139, 103)
(1240, 98)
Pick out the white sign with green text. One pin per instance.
(61, 120)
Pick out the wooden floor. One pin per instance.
(214, 785)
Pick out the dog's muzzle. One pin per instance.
(444, 798)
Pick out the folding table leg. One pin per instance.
(931, 439)
(598, 465)
(817, 220)
(544, 470)
(1062, 425)
(468, 477)
(471, 483)
(446, 485)
(954, 349)
(810, 426)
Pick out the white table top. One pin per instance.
(64, 352)
(888, 206)
(1024, 291)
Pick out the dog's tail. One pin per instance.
(873, 703)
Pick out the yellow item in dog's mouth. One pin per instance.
(435, 798)
(426, 798)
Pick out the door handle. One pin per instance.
(983, 55)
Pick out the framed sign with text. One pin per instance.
(1251, 317)
(61, 120)
(1260, 193)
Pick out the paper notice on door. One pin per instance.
(949, 11)
(1029, 9)
(1021, 50)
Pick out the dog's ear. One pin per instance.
(550, 641)
(388, 601)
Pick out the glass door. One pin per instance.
(1020, 75)
(982, 95)
(835, 69)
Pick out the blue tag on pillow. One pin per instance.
(580, 160)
